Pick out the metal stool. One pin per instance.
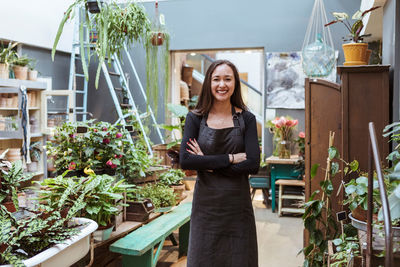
(282, 196)
(263, 183)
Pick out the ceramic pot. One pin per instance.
(33, 166)
(4, 73)
(21, 73)
(355, 53)
(32, 75)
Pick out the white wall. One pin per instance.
(35, 22)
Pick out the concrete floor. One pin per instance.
(279, 239)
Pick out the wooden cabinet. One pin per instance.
(347, 108)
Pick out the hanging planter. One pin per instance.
(93, 6)
(157, 38)
(318, 55)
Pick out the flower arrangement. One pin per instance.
(356, 27)
(282, 128)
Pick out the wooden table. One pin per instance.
(282, 169)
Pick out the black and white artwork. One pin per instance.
(285, 80)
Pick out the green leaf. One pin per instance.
(333, 152)
(337, 241)
(362, 180)
(350, 189)
(314, 170)
(354, 165)
(334, 168)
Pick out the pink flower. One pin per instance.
(118, 135)
(291, 123)
(72, 136)
(95, 130)
(117, 156)
(104, 128)
(302, 135)
(279, 122)
(113, 166)
(109, 163)
(72, 166)
(106, 141)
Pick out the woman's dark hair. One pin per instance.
(206, 99)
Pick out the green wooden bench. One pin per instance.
(137, 247)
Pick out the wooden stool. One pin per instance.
(282, 183)
(262, 183)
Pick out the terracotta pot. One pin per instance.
(4, 73)
(9, 102)
(355, 53)
(21, 73)
(157, 38)
(359, 214)
(32, 75)
(10, 206)
(178, 190)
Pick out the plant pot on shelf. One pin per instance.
(355, 54)
(32, 75)
(157, 38)
(4, 73)
(21, 73)
(139, 211)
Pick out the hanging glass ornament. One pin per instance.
(318, 55)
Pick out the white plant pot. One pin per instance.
(66, 254)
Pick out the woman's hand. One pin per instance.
(239, 157)
(194, 147)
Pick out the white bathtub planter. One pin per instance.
(67, 253)
(103, 234)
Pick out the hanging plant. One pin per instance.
(114, 24)
(157, 60)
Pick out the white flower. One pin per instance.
(357, 15)
(340, 16)
(69, 150)
(120, 143)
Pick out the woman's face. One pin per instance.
(222, 83)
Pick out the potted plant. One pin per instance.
(355, 52)
(139, 208)
(157, 49)
(35, 152)
(99, 195)
(174, 179)
(115, 25)
(176, 131)
(20, 67)
(32, 72)
(41, 236)
(346, 249)
(161, 196)
(301, 143)
(6, 56)
(11, 177)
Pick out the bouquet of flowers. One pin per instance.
(282, 128)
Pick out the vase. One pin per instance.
(284, 149)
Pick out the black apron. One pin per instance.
(222, 226)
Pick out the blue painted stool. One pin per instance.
(260, 182)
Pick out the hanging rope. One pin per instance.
(318, 53)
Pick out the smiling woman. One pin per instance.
(220, 142)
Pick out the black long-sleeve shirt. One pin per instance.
(220, 163)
